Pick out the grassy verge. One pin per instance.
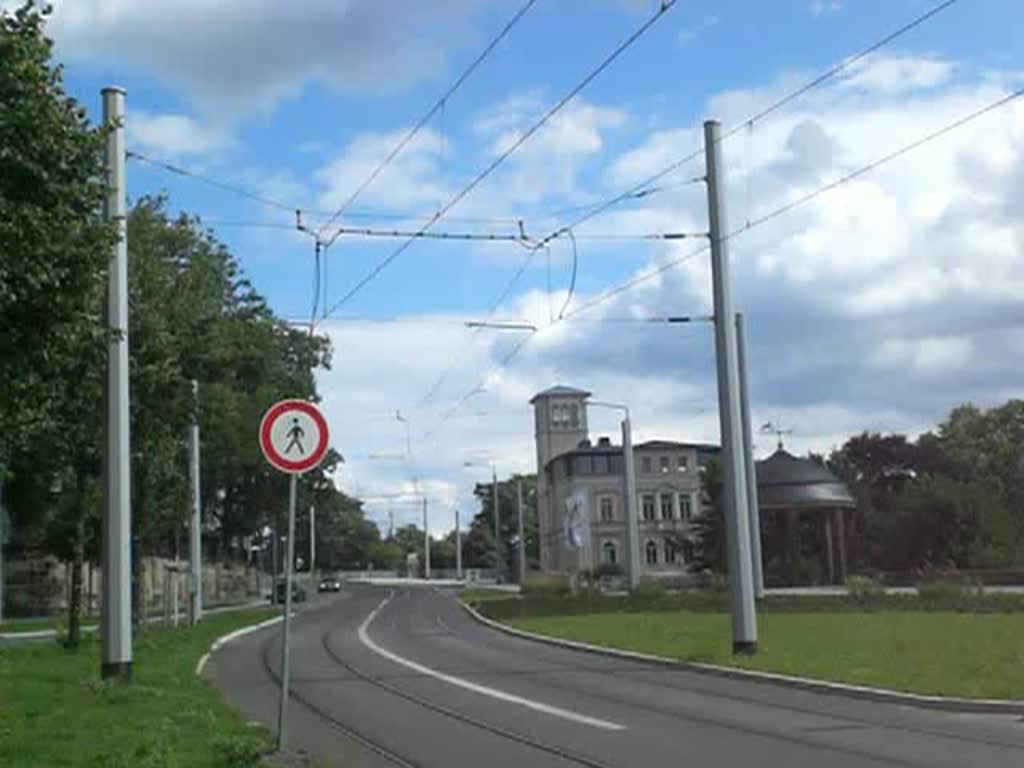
(55, 710)
(35, 625)
(945, 653)
(476, 595)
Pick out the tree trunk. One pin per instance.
(77, 558)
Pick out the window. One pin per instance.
(663, 463)
(687, 551)
(574, 416)
(645, 465)
(615, 464)
(685, 506)
(651, 553)
(670, 551)
(648, 506)
(609, 554)
(682, 463)
(601, 464)
(666, 506)
(607, 509)
(584, 465)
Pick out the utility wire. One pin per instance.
(222, 185)
(780, 211)
(500, 159)
(641, 189)
(438, 106)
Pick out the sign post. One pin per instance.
(293, 437)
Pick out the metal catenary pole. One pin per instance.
(116, 615)
(750, 473)
(426, 541)
(521, 533)
(498, 566)
(458, 546)
(744, 617)
(3, 533)
(195, 532)
(312, 538)
(629, 507)
(282, 712)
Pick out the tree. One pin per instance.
(54, 243)
(479, 550)
(991, 445)
(709, 526)
(941, 522)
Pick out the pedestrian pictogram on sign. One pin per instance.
(293, 436)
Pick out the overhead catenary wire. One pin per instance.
(438, 106)
(642, 188)
(508, 152)
(777, 212)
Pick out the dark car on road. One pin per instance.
(298, 593)
(329, 584)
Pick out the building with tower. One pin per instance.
(580, 492)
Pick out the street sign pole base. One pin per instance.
(118, 670)
(744, 648)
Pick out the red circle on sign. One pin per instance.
(267, 445)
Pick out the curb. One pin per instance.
(223, 640)
(863, 692)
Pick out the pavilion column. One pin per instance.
(830, 551)
(841, 543)
(792, 517)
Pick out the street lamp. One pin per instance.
(629, 491)
(497, 530)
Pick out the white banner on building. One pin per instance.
(577, 527)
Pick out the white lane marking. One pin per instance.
(494, 693)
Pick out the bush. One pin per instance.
(649, 587)
(545, 585)
(863, 589)
(950, 593)
(609, 571)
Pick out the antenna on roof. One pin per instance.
(771, 427)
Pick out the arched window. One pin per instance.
(611, 556)
(670, 551)
(651, 551)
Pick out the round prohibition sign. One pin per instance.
(293, 436)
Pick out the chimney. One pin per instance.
(604, 442)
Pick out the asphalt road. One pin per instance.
(385, 677)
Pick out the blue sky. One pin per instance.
(847, 298)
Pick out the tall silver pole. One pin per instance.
(116, 552)
(499, 566)
(312, 538)
(195, 529)
(426, 541)
(750, 472)
(744, 617)
(2, 534)
(458, 546)
(286, 626)
(629, 505)
(522, 535)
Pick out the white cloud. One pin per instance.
(822, 7)
(175, 135)
(878, 306)
(236, 56)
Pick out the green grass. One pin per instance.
(55, 710)
(953, 654)
(34, 625)
(486, 595)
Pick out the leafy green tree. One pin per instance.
(479, 550)
(939, 522)
(709, 527)
(54, 243)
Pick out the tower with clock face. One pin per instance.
(560, 418)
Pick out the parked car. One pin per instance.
(298, 593)
(329, 583)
